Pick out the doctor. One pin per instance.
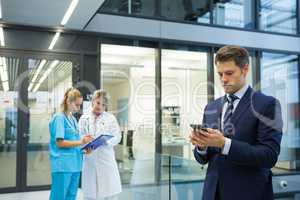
(100, 175)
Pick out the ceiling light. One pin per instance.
(2, 43)
(54, 40)
(69, 12)
(40, 67)
(3, 71)
(5, 86)
(4, 74)
(45, 75)
(36, 87)
(4, 64)
(126, 50)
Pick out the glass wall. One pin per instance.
(9, 69)
(236, 13)
(128, 75)
(184, 96)
(48, 80)
(273, 15)
(188, 10)
(278, 16)
(280, 78)
(133, 7)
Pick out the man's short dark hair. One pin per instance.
(233, 53)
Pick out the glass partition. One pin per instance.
(236, 13)
(280, 78)
(186, 10)
(278, 16)
(178, 10)
(128, 75)
(184, 96)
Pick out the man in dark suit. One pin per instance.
(242, 140)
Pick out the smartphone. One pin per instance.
(198, 127)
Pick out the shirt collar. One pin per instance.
(241, 92)
(95, 116)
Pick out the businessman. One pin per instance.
(241, 142)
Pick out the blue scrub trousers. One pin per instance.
(64, 185)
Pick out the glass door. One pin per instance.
(10, 70)
(48, 79)
(32, 86)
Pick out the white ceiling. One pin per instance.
(48, 13)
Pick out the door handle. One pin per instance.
(26, 135)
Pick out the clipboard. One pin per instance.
(97, 142)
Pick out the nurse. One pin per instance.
(65, 153)
(100, 174)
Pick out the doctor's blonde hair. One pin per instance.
(70, 95)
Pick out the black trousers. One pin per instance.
(217, 195)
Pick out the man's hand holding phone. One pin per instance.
(206, 137)
(195, 136)
(199, 129)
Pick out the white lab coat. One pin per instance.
(100, 174)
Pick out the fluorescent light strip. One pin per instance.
(5, 86)
(40, 67)
(3, 71)
(4, 75)
(54, 40)
(1, 61)
(2, 43)
(69, 12)
(4, 64)
(52, 66)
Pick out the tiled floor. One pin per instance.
(41, 195)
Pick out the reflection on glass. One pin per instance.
(189, 10)
(184, 96)
(133, 7)
(179, 10)
(278, 16)
(185, 180)
(48, 79)
(219, 91)
(279, 78)
(128, 75)
(9, 68)
(236, 13)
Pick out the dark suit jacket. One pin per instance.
(245, 172)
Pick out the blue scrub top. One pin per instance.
(64, 159)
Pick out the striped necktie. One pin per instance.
(228, 128)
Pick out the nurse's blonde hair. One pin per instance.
(70, 95)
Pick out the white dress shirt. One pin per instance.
(240, 93)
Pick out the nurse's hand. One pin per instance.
(87, 151)
(87, 138)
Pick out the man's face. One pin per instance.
(232, 77)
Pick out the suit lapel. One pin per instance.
(219, 111)
(242, 106)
